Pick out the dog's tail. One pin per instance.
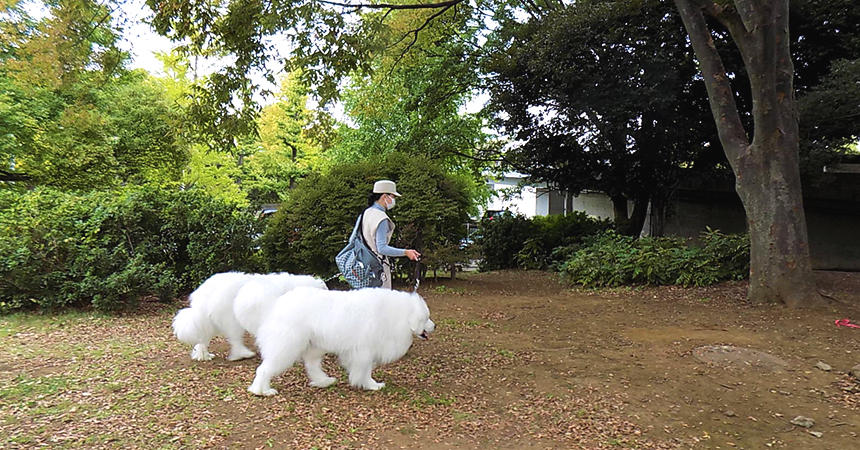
(191, 326)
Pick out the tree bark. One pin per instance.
(629, 225)
(767, 175)
(637, 219)
(619, 212)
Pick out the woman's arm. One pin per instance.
(382, 242)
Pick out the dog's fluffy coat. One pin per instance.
(365, 328)
(227, 304)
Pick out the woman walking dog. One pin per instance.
(377, 227)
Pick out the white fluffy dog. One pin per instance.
(365, 328)
(212, 309)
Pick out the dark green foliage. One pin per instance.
(501, 238)
(610, 259)
(613, 106)
(314, 224)
(722, 257)
(509, 241)
(109, 249)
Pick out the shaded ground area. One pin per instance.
(517, 361)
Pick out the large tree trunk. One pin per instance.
(629, 225)
(619, 212)
(766, 170)
(658, 215)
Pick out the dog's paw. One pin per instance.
(198, 355)
(262, 392)
(240, 354)
(324, 383)
(373, 386)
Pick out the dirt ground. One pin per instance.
(517, 361)
(633, 352)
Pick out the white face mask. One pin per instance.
(392, 203)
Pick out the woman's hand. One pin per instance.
(413, 254)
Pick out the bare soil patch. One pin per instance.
(517, 361)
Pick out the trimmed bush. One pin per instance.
(610, 259)
(514, 241)
(500, 238)
(109, 249)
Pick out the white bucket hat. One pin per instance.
(385, 187)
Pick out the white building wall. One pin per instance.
(538, 200)
(596, 204)
(509, 196)
(542, 202)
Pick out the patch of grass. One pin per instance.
(429, 372)
(113, 387)
(220, 429)
(398, 392)
(38, 409)
(45, 322)
(461, 416)
(506, 353)
(21, 440)
(224, 393)
(428, 399)
(442, 289)
(25, 387)
(408, 430)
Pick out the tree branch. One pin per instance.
(733, 20)
(446, 5)
(415, 37)
(732, 134)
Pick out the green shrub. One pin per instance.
(604, 260)
(722, 257)
(315, 222)
(109, 249)
(501, 238)
(610, 259)
(509, 241)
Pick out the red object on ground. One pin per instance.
(846, 323)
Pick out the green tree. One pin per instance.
(144, 124)
(75, 117)
(287, 149)
(413, 102)
(328, 40)
(829, 118)
(215, 173)
(612, 107)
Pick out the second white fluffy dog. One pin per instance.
(364, 328)
(216, 303)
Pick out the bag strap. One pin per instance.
(356, 228)
(361, 233)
